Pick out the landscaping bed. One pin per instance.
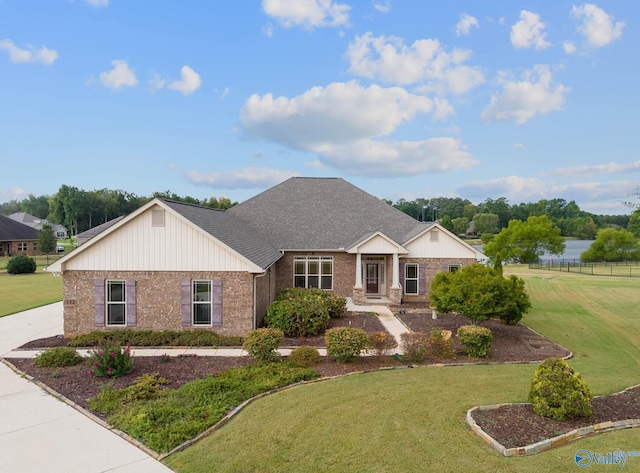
(510, 425)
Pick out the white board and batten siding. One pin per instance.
(378, 245)
(443, 245)
(178, 245)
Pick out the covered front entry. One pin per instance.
(373, 268)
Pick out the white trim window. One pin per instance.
(22, 246)
(454, 268)
(411, 273)
(313, 272)
(201, 302)
(116, 303)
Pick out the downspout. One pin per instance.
(255, 298)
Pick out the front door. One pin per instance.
(373, 278)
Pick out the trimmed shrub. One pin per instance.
(57, 357)
(345, 343)
(415, 346)
(336, 305)
(150, 338)
(476, 340)
(440, 346)
(110, 361)
(21, 264)
(558, 392)
(305, 356)
(381, 342)
(261, 344)
(298, 314)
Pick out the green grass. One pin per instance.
(20, 292)
(414, 420)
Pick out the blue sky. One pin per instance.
(404, 98)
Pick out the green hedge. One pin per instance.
(476, 340)
(150, 338)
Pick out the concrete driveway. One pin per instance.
(40, 434)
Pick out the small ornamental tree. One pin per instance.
(558, 392)
(480, 293)
(46, 239)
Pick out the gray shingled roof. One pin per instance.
(10, 230)
(231, 231)
(321, 214)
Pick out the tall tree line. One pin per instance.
(492, 215)
(80, 210)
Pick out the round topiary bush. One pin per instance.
(345, 343)
(558, 392)
(305, 356)
(261, 344)
(21, 264)
(476, 340)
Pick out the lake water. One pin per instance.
(572, 251)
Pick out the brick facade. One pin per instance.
(344, 272)
(10, 248)
(158, 300)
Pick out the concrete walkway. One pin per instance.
(40, 434)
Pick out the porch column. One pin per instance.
(358, 270)
(396, 271)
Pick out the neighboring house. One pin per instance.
(59, 231)
(170, 265)
(17, 238)
(89, 234)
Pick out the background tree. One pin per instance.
(613, 245)
(46, 240)
(525, 242)
(480, 293)
(36, 206)
(485, 223)
(460, 225)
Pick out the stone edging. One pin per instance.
(553, 442)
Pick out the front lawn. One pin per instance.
(20, 292)
(414, 419)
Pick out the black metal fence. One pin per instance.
(599, 268)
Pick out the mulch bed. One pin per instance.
(512, 426)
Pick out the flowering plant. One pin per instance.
(110, 361)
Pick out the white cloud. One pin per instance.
(597, 26)
(188, 84)
(307, 13)
(391, 159)
(12, 193)
(121, 75)
(17, 55)
(339, 123)
(248, 178)
(519, 189)
(97, 3)
(464, 25)
(528, 31)
(610, 168)
(156, 82)
(338, 113)
(425, 61)
(382, 6)
(522, 100)
(511, 187)
(569, 47)
(518, 146)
